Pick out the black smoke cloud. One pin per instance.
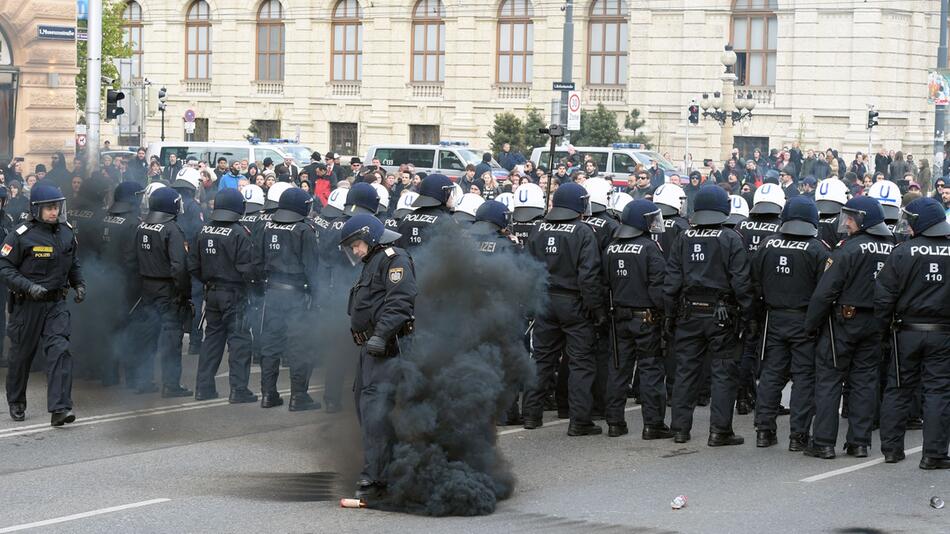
(464, 367)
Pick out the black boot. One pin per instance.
(892, 457)
(724, 439)
(743, 406)
(241, 396)
(302, 402)
(616, 430)
(858, 451)
(818, 451)
(271, 400)
(530, 423)
(765, 438)
(583, 429)
(681, 436)
(169, 392)
(656, 432)
(18, 411)
(797, 441)
(205, 395)
(934, 462)
(61, 418)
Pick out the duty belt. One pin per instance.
(924, 327)
(360, 338)
(53, 295)
(563, 292)
(701, 308)
(623, 314)
(788, 310)
(849, 312)
(221, 285)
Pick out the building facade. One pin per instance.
(37, 80)
(345, 74)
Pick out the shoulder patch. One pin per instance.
(6, 250)
(22, 229)
(828, 263)
(390, 252)
(395, 275)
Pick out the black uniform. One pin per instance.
(913, 288)
(44, 254)
(604, 228)
(118, 254)
(290, 260)
(381, 304)
(524, 230)
(569, 251)
(6, 226)
(708, 271)
(415, 226)
(255, 289)
(841, 312)
(222, 259)
(673, 226)
(828, 231)
(787, 269)
(191, 222)
(634, 270)
(166, 293)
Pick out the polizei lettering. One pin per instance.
(278, 226)
(419, 217)
(152, 227)
(548, 227)
(702, 233)
(114, 220)
(930, 250)
(872, 247)
(759, 226)
(628, 248)
(786, 245)
(596, 222)
(216, 230)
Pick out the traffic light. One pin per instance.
(112, 104)
(872, 118)
(693, 113)
(162, 96)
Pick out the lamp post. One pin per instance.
(727, 138)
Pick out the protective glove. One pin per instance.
(752, 328)
(37, 292)
(376, 346)
(600, 317)
(80, 294)
(668, 327)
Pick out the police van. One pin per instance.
(209, 152)
(448, 157)
(614, 163)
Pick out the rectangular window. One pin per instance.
(343, 138)
(428, 58)
(423, 134)
(201, 130)
(266, 129)
(755, 40)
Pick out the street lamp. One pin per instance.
(726, 107)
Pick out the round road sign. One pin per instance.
(574, 103)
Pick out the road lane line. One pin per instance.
(65, 518)
(856, 467)
(552, 423)
(227, 374)
(121, 416)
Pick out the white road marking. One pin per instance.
(552, 423)
(132, 414)
(65, 518)
(856, 467)
(227, 374)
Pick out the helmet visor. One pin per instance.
(654, 222)
(846, 215)
(37, 210)
(905, 223)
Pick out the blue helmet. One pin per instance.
(46, 194)
(494, 213)
(434, 191)
(163, 206)
(362, 198)
(638, 217)
(867, 214)
(293, 206)
(366, 228)
(228, 206)
(125, 197)
(800, 217)
(711, 206)
(771, 177)
(925, 216)
(570, 202)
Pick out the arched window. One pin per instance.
(132, 33)
(270, 42)
(607, 43)
(347, 41)
(515, 41)
(198, 41)
(428, 41)
(755, 40)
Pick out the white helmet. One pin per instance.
(404, 206)
(273, 194)
(528, 204)
(618, 201)
(336, 203)
(768, 199)
(599, 191)
(253, 198)
(383, 197)
(671, 196)
(738, 210)
(508, 199)
(830, 195)
(889, 195)
(188, 178)
(147, 193)
(466, 208)
(455, 197)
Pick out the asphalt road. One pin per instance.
(144, 464)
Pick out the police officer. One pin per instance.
(166, 285)
(403, 207)
(222, 259)
(889, 195)
(86, 213)
(618, 201)
(257, 287)
(634, 269)
(490, 229)
(830, 195)
(850, 343)
(528, 211)
(568, 248)
(786, 268)
(381, 311)
(709, 283)
(290, 259)
(763, 221)
(912, 293)
(38, 263)
(188, 183)
(6, 226)
(738, 211)
(432, 208)
(464, 213)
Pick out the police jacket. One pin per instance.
(569, 251)
(491, 242)
(913, 284)
(383, 299)
(787, 268)
(40, 253)
(416, 226)
(634, 269)
(672, 227)
(162, 254)
(524, 230)
(337, 270)
(257, 240)
(604, 228)
(192, 219)
(849, 277)
(222, 254)
(709, 263)
(118, 243)
(86, 218)
(290, 255)
(756, 228)
(828, 231)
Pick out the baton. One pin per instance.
(530, 327)
(897, 362)
(613, 331)
(765, 331)
(834, 352)
(136, 305)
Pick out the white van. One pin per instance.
(614, 163)
(209, 152)
(448, 158)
